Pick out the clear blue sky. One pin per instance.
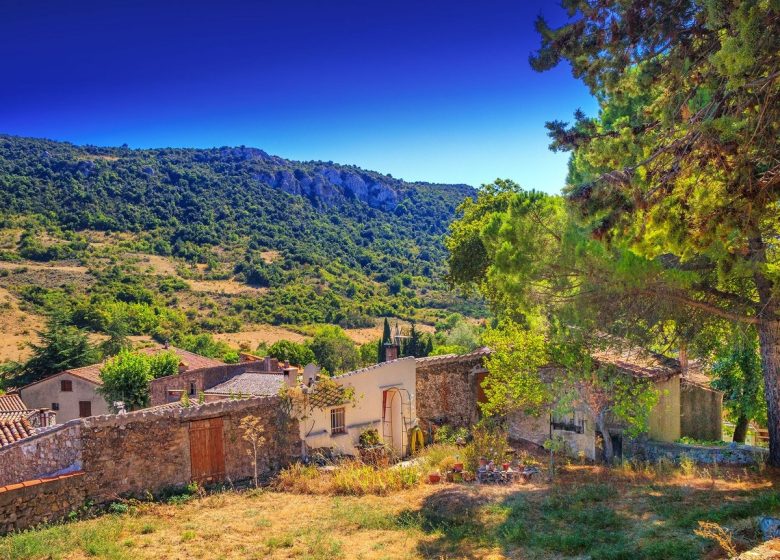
(424, 89)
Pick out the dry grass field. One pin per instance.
(587, 512)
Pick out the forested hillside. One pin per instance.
(213, 239)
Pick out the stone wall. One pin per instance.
(132, 454)
(732, 454)
(701, 412)
(40, 501)
(48, 453)
(147, 451)
(447, 391)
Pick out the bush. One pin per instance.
(449, 435)
(489, 441)
(351, 478)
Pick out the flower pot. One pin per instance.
(434, 478)
(450, 477)
(505, 466)
(457, 467)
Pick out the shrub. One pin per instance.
(489, 441)
(351, 478)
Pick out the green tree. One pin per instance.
(126, 378)
(381, 357)
(737, 372)
(680, 168)
(295, 353)
(60, 347)
(163, 364)
(333, 350)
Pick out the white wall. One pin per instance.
(366, 412)
(46, 392)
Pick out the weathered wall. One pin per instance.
(203, 379)
(146, 451)
(701, 412)
(665, 416)
(139, 452)
(447, 391)
(46, 392)
(525, 427)
(41, 455)
(732, 454)
(40, 501)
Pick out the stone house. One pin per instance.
(73, 393)
(384, 401)
(251, 376)
(449, 390)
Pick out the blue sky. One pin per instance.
(425, 90)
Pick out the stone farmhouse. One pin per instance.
(449, 390)
(73, 393)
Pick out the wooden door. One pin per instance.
(207, 450)
(481, 397)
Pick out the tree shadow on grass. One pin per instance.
(592, 520)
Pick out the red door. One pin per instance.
(207, 450)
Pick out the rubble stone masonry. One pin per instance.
(132, 454)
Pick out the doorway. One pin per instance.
(207, 450)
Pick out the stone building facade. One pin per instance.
(449, 389)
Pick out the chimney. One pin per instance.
(391, 351)
(291, 376)
(310, 373)
(267, 363)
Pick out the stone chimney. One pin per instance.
(391, 351)
(291, 376)
(683, 358)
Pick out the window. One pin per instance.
(569, 423)
(337, 425)
(55, 406)
(192, 389)
(66, 386)
(85, 409)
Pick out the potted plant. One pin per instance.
(434, 477)
(458, 465)
(483, 462)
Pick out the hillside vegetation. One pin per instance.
(186, 240)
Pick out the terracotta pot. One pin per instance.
(450, 477)
(457, 467)
(505, 466)
(434, 478)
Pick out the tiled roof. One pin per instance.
(91, 373)
(449, 358)
(12, 408)
(639, 362)
(14, 430)
(323, 396)
(249, 383)
(696, 374)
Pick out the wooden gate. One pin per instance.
(207, 450)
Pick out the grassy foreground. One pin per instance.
(589, 512)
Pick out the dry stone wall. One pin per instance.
(447, 391)
(44, 454)
(40, 501)
(135, 454)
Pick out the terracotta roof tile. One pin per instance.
(449, 358)
(14, 430)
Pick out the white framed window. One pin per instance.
(337, 421)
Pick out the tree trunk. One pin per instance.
(740, 431)
(769, 341)
(609, 453)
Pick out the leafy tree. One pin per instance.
(295, 353)
(126, 378)
(333, 350)
(61, 347)
(679, 172)
(737, 372)
(163, 364)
